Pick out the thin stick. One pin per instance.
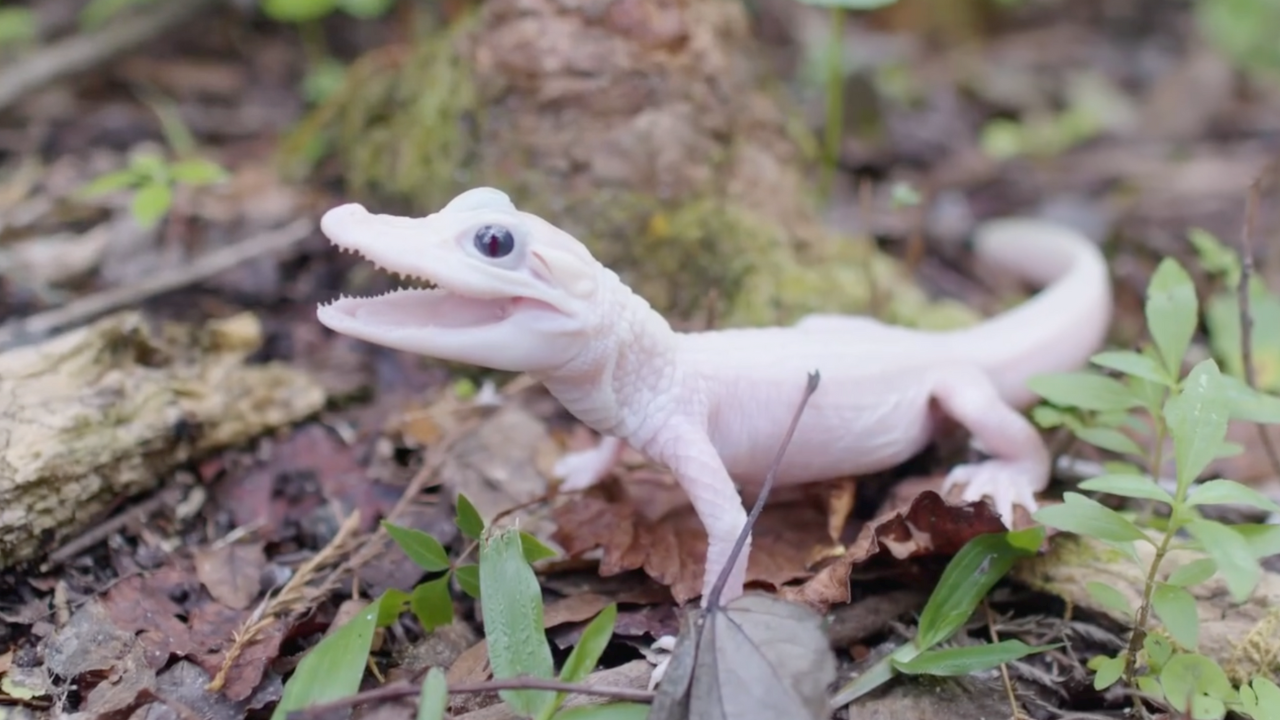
(713, 598)
(82, 52)
(15, 332)
(403, 689)
(1246, 315)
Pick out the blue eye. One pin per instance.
(494, 241)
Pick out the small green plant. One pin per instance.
(502, 579)
(834, 72)
(152, 178)
(18, 28)
(301, 11)
(970, 574)
(1151, 399)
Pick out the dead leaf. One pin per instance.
(232, 573)
(928, 526)
(91, 647)
(213, 629)
(143, 604)
(757, 657)
(6, 660)
(672, 548)
(496, 466)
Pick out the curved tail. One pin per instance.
(1056, 330)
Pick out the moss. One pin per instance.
(404, 129)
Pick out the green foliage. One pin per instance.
(511, 604)
(334, 667)
(1244, 31)
(1135, 414)
(968, 578)
(303, 11)
(18, 27)
(152, 179)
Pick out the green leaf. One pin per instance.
(1177, 610)
(111, 182)
(468, 579)
(1232, 554)
(1135, 364)
(1108, 672)
(434, 698)
(585, 655)
(1133, 486)
(1261, 699)
(18, 26)
(1193, 573)
(511, 603)
(468, 518)
(1110, 598)
(151, 203)
(1263, 538)
(607, 711)
(422, 549)
(1084, 390)
(298, 11)
(1172, 313)
(391, 605)
(431, 603)
(366, 9)
(595, 638)
(1090, 518)
(850, 4)
(1108, 439)
(1151, 686)
(1197, 420)
(1047, 416)
(333, 668)
(533, 548)
(1248, 404)
(951, 662)
(968, 577)
(1219, 492)
(1188, 676)
(197, 171)
(1158, 648)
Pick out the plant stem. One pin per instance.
(1144, 610)
(835, 96)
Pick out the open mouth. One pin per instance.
(417, 307)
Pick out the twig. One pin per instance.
(1004, 667)
(713, 598)
(111, 525)
(82, 52)
(1246, 315)
(402, 689)
(16, 332)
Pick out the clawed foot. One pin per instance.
(1006, 483)
(582, 469)
(660, 655)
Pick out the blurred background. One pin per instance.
(738, 161)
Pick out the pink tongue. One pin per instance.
(420, 308)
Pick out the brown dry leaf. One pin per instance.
(93, 652)
(232, 573)
(143, 604)
(213, 628)
(182, 692)
(671, 548)
(6, 660)
(928, 526)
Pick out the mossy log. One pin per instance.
(105, 411)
